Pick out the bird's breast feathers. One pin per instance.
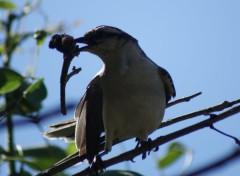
(133, 102)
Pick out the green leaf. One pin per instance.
(175, 151)
(2, 47)
(28, 97)
(22, 106)
(10, 80)
(45, 152)
(36, 92)
(40, 36)
(71, 148)
(7, 5)
(120, 173)
(43, 157)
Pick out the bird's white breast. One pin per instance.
(133, 101)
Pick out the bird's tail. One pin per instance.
(64, 130)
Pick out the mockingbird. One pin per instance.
(126, 99)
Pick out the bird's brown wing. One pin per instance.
(89, 121)
(168, 83)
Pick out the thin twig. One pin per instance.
(127, 156)
(72, 73)
(184, 99)
(72, 159)
(206, 111)
(225, 134)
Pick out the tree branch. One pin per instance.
(184, 99)
(72, 73)
(206, 111)
(74, 158)
(130, 155)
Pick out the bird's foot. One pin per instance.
(146, 144)
(97, 166)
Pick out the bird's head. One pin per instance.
(104, 39)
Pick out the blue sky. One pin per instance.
(198, 42)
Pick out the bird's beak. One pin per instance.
(81, 40)
(84, 41)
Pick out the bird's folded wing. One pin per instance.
(89, 120)
(168, 83)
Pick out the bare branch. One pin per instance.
(206, 111)
(127, 156)
(225, 134)
(184, 99)
(73, 159)
(72, 73)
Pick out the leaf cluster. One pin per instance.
(21, 96)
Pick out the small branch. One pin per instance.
(225, 160)
(206, 111)
(225, 134)
(65, 44)
(130, 155)
(184, 99)
(72, 73)
(72, 160)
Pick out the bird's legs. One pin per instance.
(146, 144)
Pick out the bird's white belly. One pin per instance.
(137, 118)
(132, 107)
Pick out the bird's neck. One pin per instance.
(123, 59)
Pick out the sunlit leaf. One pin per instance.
(10, 80)
(71, 148)
(7, 5)
(2, 47)
(175, 151)
(120, 173)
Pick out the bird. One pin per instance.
(125, 99)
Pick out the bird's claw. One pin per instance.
(147, 144)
